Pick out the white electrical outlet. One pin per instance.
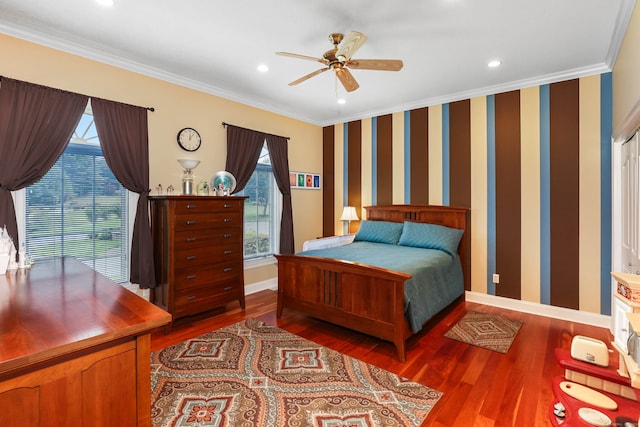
(496, 278)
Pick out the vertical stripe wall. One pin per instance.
(384, 164)
(436, 174)
(479, 194)
(606, 190)
(564, 216)
(532, 165)
(589, 194)
(329, 178)
(417, 153)
(530, 205)
(508, 193)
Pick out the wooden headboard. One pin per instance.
(454, 217)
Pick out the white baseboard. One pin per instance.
(599, 320)
(271, 284)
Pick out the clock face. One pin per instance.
(189, 139)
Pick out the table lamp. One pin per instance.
(349, 214)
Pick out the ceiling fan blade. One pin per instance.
(308, 58)
(308, 76)
(347, 80)
(375, 64)
(351, 43)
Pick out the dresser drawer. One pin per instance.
(208, 276)
(206, 221)
(196, 300)
(227, 236)
(192, 257)
(207, 206)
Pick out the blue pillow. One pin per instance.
(379, 231)
(431, 236)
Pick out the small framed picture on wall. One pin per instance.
(304, 180)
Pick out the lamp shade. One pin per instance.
(349, 214)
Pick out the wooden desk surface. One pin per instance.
(60, 307)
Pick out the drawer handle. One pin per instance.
(191, 239)
(191, 257)
(228, 252)
(226, 205)
(191, 206)
(226, 236)
(228, 288)
(191, 277)
(228, 269)
(227, 220)
(190, 222)
(191, 297)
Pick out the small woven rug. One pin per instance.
(485, 330)
(254, 374)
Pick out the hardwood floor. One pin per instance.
(481, 387)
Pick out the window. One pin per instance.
(79, 209)
(262, 211)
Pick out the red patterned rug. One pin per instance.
(254, 374)
(485, 330)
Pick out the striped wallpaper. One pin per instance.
(533, 166)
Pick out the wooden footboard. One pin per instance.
(357, 296)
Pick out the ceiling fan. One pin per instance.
(339, 60)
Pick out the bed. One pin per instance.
(372, 299)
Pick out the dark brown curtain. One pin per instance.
(278, 152)
(243, 151)
(36, 123)
(124, 138)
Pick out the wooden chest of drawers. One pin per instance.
(198, 252)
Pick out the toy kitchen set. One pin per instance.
(593, 391)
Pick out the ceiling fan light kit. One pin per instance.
(339, 60)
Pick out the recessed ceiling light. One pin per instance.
(105, 2)
(263, 68)
(495, 63)
(342, 101)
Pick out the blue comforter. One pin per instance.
(436, 277)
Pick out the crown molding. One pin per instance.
(484, 91)
(620, 29)
(96, 54)
(99, 55)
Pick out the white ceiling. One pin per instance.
(215, 46)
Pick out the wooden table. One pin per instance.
(74, 348)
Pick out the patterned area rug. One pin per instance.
(254, 374)
(485, 330)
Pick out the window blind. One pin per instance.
(79, 209)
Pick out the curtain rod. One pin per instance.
(224, 124)
(89, 96)
(132, 105)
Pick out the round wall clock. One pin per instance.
(189, 139)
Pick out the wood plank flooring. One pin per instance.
(481, 387)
